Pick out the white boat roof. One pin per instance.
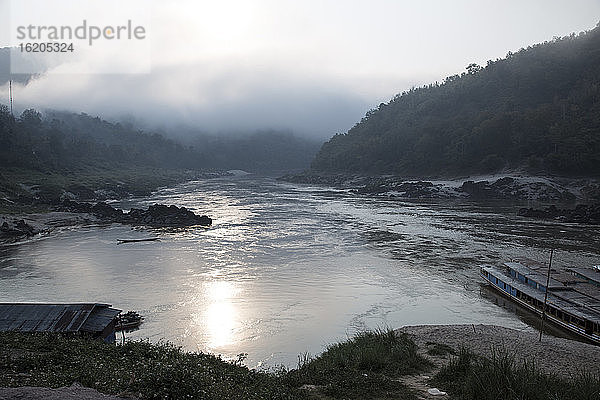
(591, 274)
(535, 275)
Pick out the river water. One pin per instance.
(287, 269)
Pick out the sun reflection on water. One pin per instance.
(221, 316)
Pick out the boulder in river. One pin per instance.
(157, 215)
(587, 214)
(162, 215)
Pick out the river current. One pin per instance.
(287, 269)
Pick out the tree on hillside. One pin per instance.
(538, 108)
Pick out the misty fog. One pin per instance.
(313, 68)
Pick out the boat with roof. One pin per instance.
(571, 295)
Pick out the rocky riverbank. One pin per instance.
(518, 188)
(33, 203)
(14, 228)
(26, 191)
(71, 213)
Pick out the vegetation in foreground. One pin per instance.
(140, 369)
(468, 376)
(371, 365)
(365, 366)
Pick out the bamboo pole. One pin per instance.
(546, 295)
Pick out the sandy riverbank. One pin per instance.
(554, 355)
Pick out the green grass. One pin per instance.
(370, 365)
(147, 370)
(365, 366)
(501, 377)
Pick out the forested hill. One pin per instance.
(63, 142)
(537, 109)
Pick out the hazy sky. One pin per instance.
(313, 66)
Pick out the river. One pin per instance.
(287, 269)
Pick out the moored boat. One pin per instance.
(128, 321)
(573, 295)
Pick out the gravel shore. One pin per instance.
(554, 355)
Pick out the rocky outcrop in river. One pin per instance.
(15, 228)
(412, 190)
(517, 189)
(513, 188)
(586, 214)
(158, 215)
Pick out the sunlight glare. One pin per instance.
(221, 314)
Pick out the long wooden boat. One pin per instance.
(573, 294)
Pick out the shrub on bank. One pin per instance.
(468, 376)
(150, 371)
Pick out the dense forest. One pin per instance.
(537, 110)
(63, 142)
